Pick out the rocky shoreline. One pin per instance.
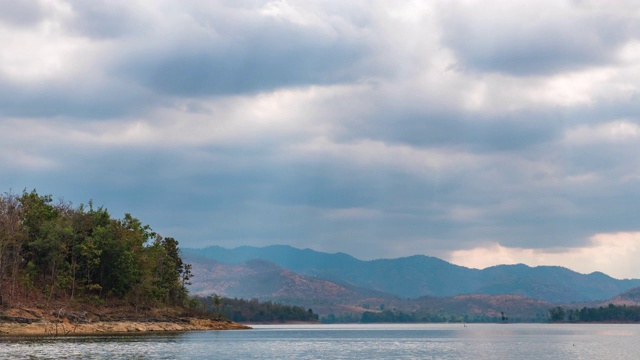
(113, 327)
(19, 322)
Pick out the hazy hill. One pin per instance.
(265, 280)
(516, 308)
(412, 277)
(551, 283)
(630, 297)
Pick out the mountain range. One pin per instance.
(341, 284)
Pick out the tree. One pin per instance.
(216, 301)
(556, 314)
(11, 238)
(46, 246)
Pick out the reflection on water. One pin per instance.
(380, 341)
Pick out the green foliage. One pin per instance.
(610, 313)
(253, 311)
(64, 252)
(349, 318)
(167, 270)
(556, 314)
(398, 316)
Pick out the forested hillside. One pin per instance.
(54, 251)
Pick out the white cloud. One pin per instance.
(43, 52)
(21, 160)
(614, 254)
(619, 131)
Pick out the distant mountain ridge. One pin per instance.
(419, 275)
(265, 280)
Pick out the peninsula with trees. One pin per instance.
(66, 269)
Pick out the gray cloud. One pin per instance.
(135, 51)
(267, 55)
(72, 98)
(531, 40)
(21, 13)
(104, 20)
(511, 132)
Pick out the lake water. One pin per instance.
(379, 341)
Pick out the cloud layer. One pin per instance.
(449, 129)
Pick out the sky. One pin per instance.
(479, 132)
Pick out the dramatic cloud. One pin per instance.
(477, 132)
(535, 38)
(248, 50)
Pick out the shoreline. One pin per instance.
(70, 320)
(113, 327)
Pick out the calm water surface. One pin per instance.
(380, 341)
